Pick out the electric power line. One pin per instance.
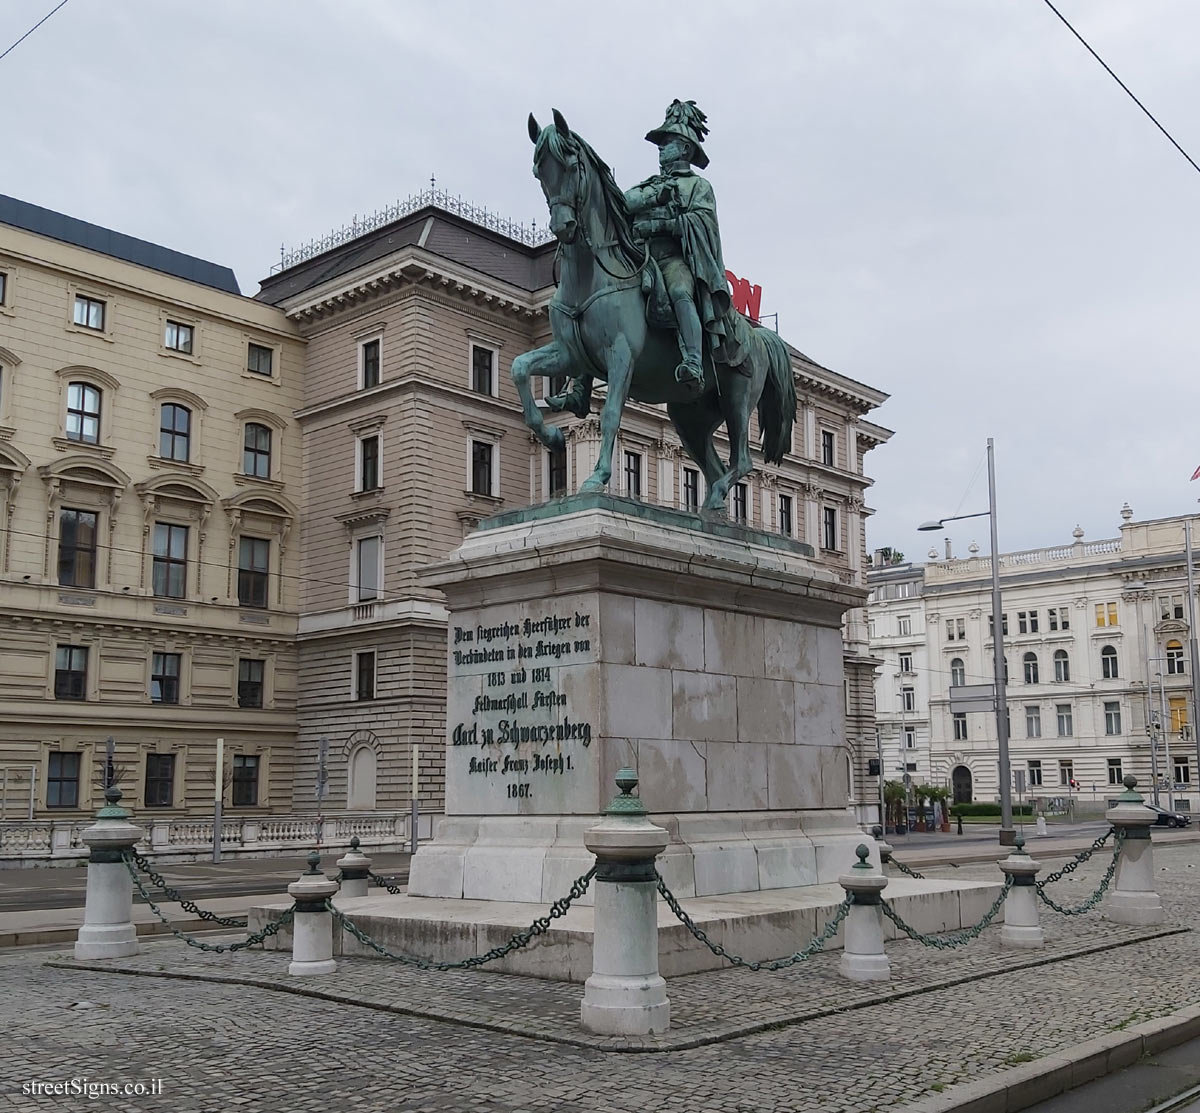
(1149, 114)
(31, 30)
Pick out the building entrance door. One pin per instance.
(961, 780)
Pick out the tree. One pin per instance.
(889, 555)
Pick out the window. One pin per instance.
(1035, 773)
(169, 571)
(1030, 662)
(960, 726)
(179, 337)
(1062, 666)
(557, 458)
(739, 503)
(785, 515)
(956, 629)
(1066, 771)
(1106, 614)
(364, 675)
(483, 370)
(245, 780)
(482, 472)
(164, 677)
(555, 384)
(1183, 772)
(908, 699)
(1112, 717)
(906, 662)
(175, 432)
(1115, 775)
(260, 360)
(160, 780)
(70, 672)
(62, 781)
(958, 672)
(366, 572)
(1033, 721)
(1059, 618)
(1066, 724)
(256, 454)
(992, 625)
(254, 566)
(1175, 658)
(250, 682)
(903, 591)
(89, 312)
(828, 447)
(83, 413)
(633, 474)
(77, 548)
(1170, 606)
(369, 363)
(691, 489)
(1027, 622)
(1179, 714)
(3, 288)
(368, 463)
(829, 529)
(904, 625)
(910, 738)
(1108, 663)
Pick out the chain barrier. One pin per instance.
(1079, 859)
(522, 938)
(388, 883)
(1070, 867)
(174, 895)
(951, 939)
(253, 940)
(816, 944)
(904, 869)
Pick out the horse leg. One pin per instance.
(695, 423)
(549, 360)
(736, 403)
(618, 362)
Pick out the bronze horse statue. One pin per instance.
(598, 318)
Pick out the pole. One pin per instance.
(1195, 653)
(416, 784)
(1008, 836)
(882, 777)
(1152, 727)
(218, 794)
(1166, 737)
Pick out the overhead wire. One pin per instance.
(31, 30)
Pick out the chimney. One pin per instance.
(949, 551)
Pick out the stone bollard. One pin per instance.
(312, 929)
(863, 959)
(885, 849)
(1133, 898)
(356, 871)
(107, 930)
(625, 995)
(1022, 927)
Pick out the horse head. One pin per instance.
(557, 165)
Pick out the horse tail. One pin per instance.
(777, 403)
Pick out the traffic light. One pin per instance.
(873, 769)
(1074, 783)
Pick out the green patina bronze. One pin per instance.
(642, 303)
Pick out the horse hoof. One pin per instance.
(593, 484)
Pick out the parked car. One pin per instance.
(1165, 818)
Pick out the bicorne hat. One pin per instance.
(686, 120)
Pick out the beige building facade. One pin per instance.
(150, 471)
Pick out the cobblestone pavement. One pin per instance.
(220, 1046)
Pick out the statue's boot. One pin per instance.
(690, 372)
(577, 400)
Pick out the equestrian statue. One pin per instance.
(642, 303)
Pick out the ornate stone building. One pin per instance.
(149, 472)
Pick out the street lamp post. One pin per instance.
(1007, 831)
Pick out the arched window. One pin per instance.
(1062, 666)
(1108, 663)
(1175, 658)
(83, 413)
(360, 795)
(256, 456)
(1031, 668)
(958, 672)
(175, 432)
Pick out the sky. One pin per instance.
(949, 200)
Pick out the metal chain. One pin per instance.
(904, 869)
(273, 928)
(814, 945)
(522, 939)
(1079, 859)
(390, 884)
(953, 939)
(1094, 899)
(174, 895)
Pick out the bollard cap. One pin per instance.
(863, 854)
(314, 862)
(626, 803)
(1129, 796)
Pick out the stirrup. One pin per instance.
(690, 373)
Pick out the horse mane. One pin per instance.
(564, 148)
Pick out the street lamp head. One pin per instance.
(927, 527)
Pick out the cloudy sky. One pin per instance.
(947, 199)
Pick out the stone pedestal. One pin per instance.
(1022, 924)
(107, 930)
(356, 871)
(863, 958)
(1132, 899)
(596, 633)
(312, 928)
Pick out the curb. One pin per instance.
(1020, 1087)
(37, 936)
